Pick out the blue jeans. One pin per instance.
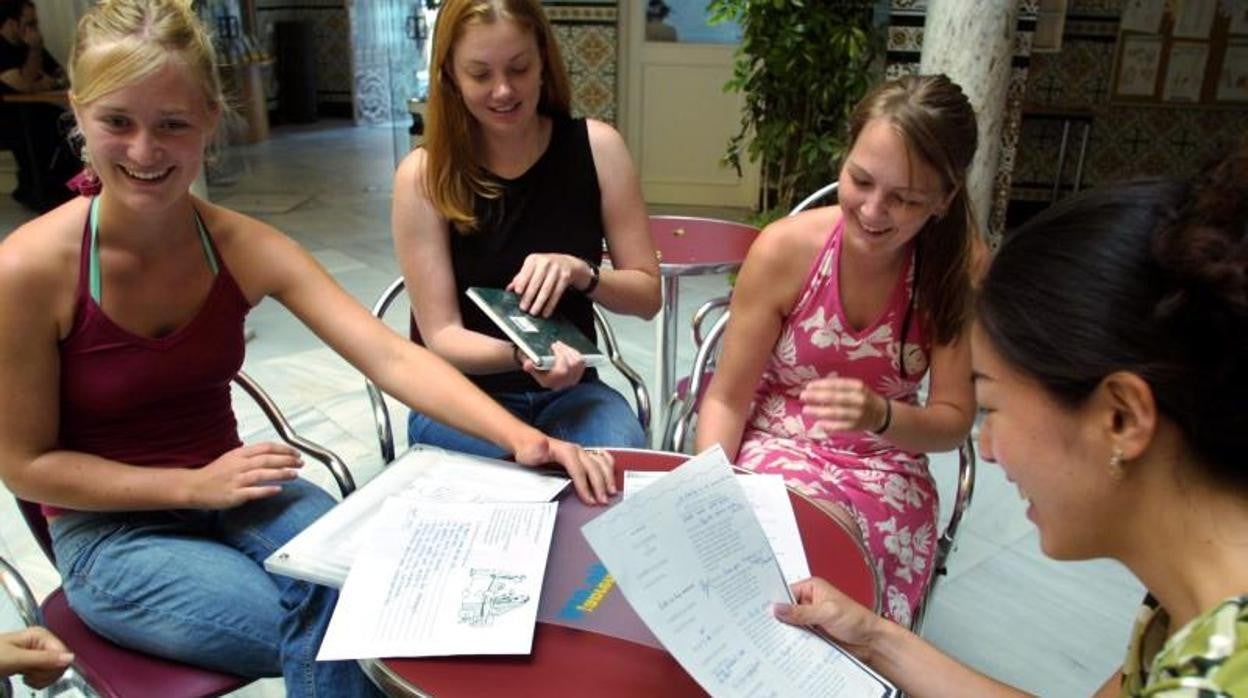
(189, 585)
(589, 413)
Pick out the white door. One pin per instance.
(677, 117)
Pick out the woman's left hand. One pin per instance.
(823, 606)
(842, 404)
(544, 277)
(566, 372)
(592, 469)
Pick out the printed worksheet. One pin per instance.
(770, 500)
(438, 579)
(324, 551)
(692, 560)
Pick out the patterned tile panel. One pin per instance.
(1124, 141)
(589, 40)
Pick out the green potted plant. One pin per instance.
(802, 66)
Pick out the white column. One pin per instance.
(972, 41)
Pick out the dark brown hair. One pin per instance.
(935, 119)
(1149, 277)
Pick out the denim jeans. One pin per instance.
(589, 413)
(190, 586)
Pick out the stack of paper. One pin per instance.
(693, 561)
(440, 579)
(441, 554)
(324, 551)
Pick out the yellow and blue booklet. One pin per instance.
(533, 334)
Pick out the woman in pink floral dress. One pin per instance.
(838, 315)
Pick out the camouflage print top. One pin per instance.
(1207, 658)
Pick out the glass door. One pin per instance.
(390, 39)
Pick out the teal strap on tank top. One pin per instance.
(93, 269)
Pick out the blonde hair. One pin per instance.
(454, 173)
(120, 42)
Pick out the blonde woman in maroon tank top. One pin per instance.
(838, 315)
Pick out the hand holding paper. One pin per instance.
(693, 561)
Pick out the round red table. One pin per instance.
(571, 662)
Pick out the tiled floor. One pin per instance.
(1056, 629)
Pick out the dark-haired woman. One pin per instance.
(1109, 351)
(838, 315)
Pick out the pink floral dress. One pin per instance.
(888, 491)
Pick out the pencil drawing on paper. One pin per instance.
(489, 594)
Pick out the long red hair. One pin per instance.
(454, 172)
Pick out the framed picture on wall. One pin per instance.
(1194, 18)
(1137, 69)
(1185, 71)
(1239, 17)
(1233, 80)
(1143, 15)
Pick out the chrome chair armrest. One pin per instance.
(381, 411)
(949, 536)
(381, 420)
(21, 595)
(826, 190)
(701, 315)
(640, 395)
(687, 409)
(346, 483)
(961, 502)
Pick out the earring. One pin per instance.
(1115, 464)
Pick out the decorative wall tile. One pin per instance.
(905, 38)
(589, 41)
(1124, 141)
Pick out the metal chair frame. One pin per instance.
(610, 345)
(15, 587)
(92, 680)
(701, 316)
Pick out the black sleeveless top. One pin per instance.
(555, 206)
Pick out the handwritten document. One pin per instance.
(693, 561)
(769, 498)
(438, 579)
(324, 551)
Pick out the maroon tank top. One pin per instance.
(152, 402)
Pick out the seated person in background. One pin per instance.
(25, 66)
(657, 29)
(510, 192)
(837, 316)
(123, 328)
(1108, 345)
(35, 653)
